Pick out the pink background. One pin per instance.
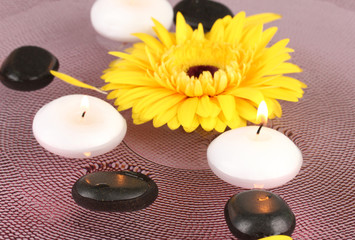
(35, 185)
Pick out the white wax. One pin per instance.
(60, 127)
(245, 159)
(118, 19)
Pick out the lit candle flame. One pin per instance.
(263, 113)
(84, 106)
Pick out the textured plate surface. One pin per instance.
(35, 185)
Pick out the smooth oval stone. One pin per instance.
(201, 11)
(27, 68)
(115, 191)
(256, 214)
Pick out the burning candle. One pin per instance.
(78, 126)
(254, 157)
(118, 19)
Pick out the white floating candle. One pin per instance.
(118, 19)
(246, 159)
(78, 126)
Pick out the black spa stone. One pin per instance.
(121, 191)
(27, 68)
(256, 214)
(201, 11)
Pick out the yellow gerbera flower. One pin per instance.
(215, 80)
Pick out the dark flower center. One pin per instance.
(195, 71)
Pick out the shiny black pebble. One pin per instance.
(256, 214)
(201, 11)
(115, 191)
(27, 68)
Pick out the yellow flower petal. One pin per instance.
(267, 35)
(187, 111)
(252, 37)
(226, 20)
(130, 58)
(151, 59)
(174, 123)
(132, 94)
(163, 34)
(137, 120)
(217, 32)
(279, 47)
(246, 110)
(235, 27)
(131, 78)
(235, 122)
(261, 19)
(274, 107)
(166, 117)
(162, 105)
(163, 82)
(269, 67)
(220, 126)
(286, 68)
(208, 124)
(251, 94)
(150, 41)
(228, 106)
(198, 34)
(110, 86)
(192, 127)
(221, 82)
(207, 108)
(183, 30)
(73, 81)
(288, 83)
(281, 94)
(113, 94)
(151, 98)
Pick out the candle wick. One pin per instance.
(83, 115)
(261, 125)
